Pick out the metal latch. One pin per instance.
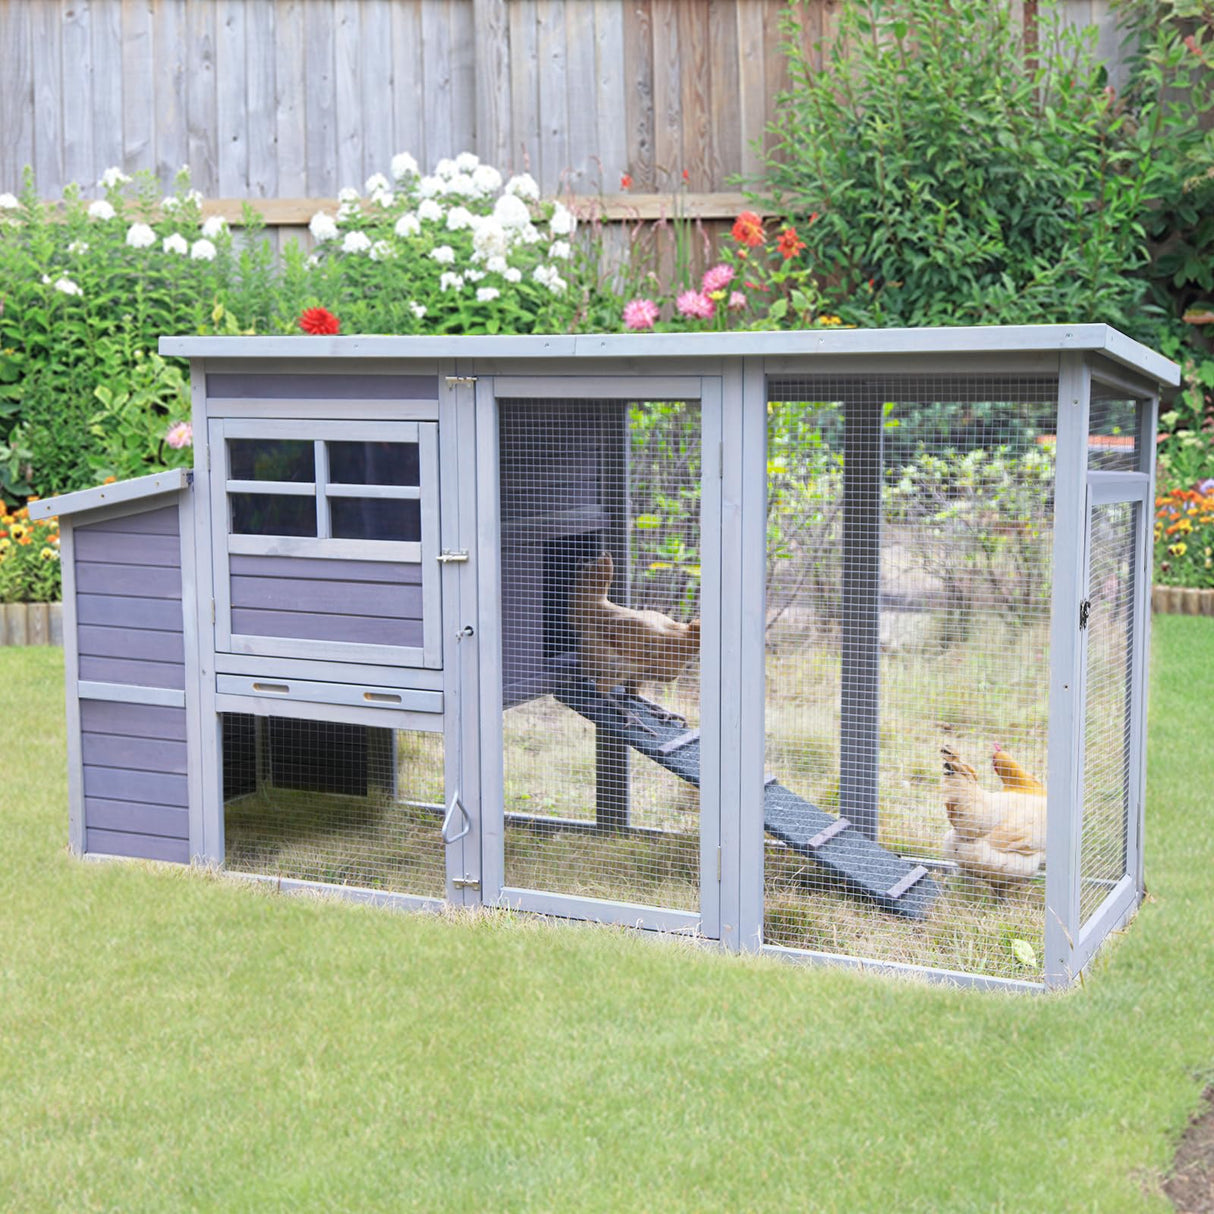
(1085, 609)
(460, 381)
(466, 882)
(453, 556)
(456, 806)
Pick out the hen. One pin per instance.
(1012, 776)
(619, 645)
(998, 836)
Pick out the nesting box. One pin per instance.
(831, 644)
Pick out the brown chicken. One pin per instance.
(619, 645)
(998, 836)
(1012, 776)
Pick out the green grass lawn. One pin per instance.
(174, 1041)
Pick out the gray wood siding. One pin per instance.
(227, 385)
(297, 98)
(302, 598)
(135, 790)
(128, 600)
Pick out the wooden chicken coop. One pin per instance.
(827, 643)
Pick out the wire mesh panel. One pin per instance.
(600, 508)
(336, 803)
(909, 549)
(1108, 700)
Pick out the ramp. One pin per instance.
(831, 842)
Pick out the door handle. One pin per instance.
(456, 804)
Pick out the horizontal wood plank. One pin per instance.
(144, 644)
(397, 573)
(138, 847)
(148, 788)
(134, 754)
(132, 720)
(161, 521)
(125, 611)
(353, 629)
(129, 670)
(141, 581)
(310, 597)
(341, 386)
(95, 544)
(129, 817)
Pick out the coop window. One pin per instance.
(358, 518)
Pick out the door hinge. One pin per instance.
(452, 556)
(460, 381)
(1085, 609)
(212, 611)
(718, 864)
(466, 882)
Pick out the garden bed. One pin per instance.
(31, 623)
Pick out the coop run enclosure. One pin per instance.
(831, 644)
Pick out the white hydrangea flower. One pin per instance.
(486, 179)
(323, 227)
(8, 202)
(169, 203)
(313, 261)
(140, 236)
(383, 198)
(444, 254)
(474, 275)
(511, 212)
(418, 310)
(512, 274)
(487, 294)
(67, 286)
(408, 225)
(467, 162)
(78, 247)
(449, 281)
(113, 177)
(356, 242)
(523, 185)
(381, 250)
(562, 222)
(446, 168)
(376, 183)
(348, 210)
(496, 265)
(348, 194)
(560, 250)
(429, 187)
(457, 218)
(214, 225)
(429, 210)
(490, 240)
(462, 186)
(176, 244)
(100, 209)
(202, 250)
(403, 165)
(530, 234)
(549, 276)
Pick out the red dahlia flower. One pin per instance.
(748, 229)
(319, 322)
(789, 243)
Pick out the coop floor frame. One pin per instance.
(438, 666)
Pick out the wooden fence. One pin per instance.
(293, 99)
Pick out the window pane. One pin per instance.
(272, 514)
(373, 464)
(271, 459)
(359, 518)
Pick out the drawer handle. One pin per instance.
(281, 689)
(380, 697)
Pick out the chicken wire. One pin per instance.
(335, 803)
(600, 500)
(908, 593)
(1107, 707)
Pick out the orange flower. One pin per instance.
(789, 244)
(748, 229)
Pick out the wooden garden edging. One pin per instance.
(31, 624)
(1180, 600)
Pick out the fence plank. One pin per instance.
(407, 81)
(725, 125)
(319, 125)
(16, 94)
(524, 88)
(231, 98)
(137, 125)
(200, 95)
(48, 113)
(639, 103)
(290, 103)
(169, 91)
(492, 85)
(465, 46)
(79, 160)
(261, 111)
(553, 94)
(611, 136)
(581, 170)
(106, 84)
(436, 89)
(375, 70)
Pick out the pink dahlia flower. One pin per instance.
(180, 434)
(640, 314)
(716, 279)
(737, 301)
(696, 305)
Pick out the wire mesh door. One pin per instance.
(909, 550)
(600, 591)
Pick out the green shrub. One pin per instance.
(942, 173)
